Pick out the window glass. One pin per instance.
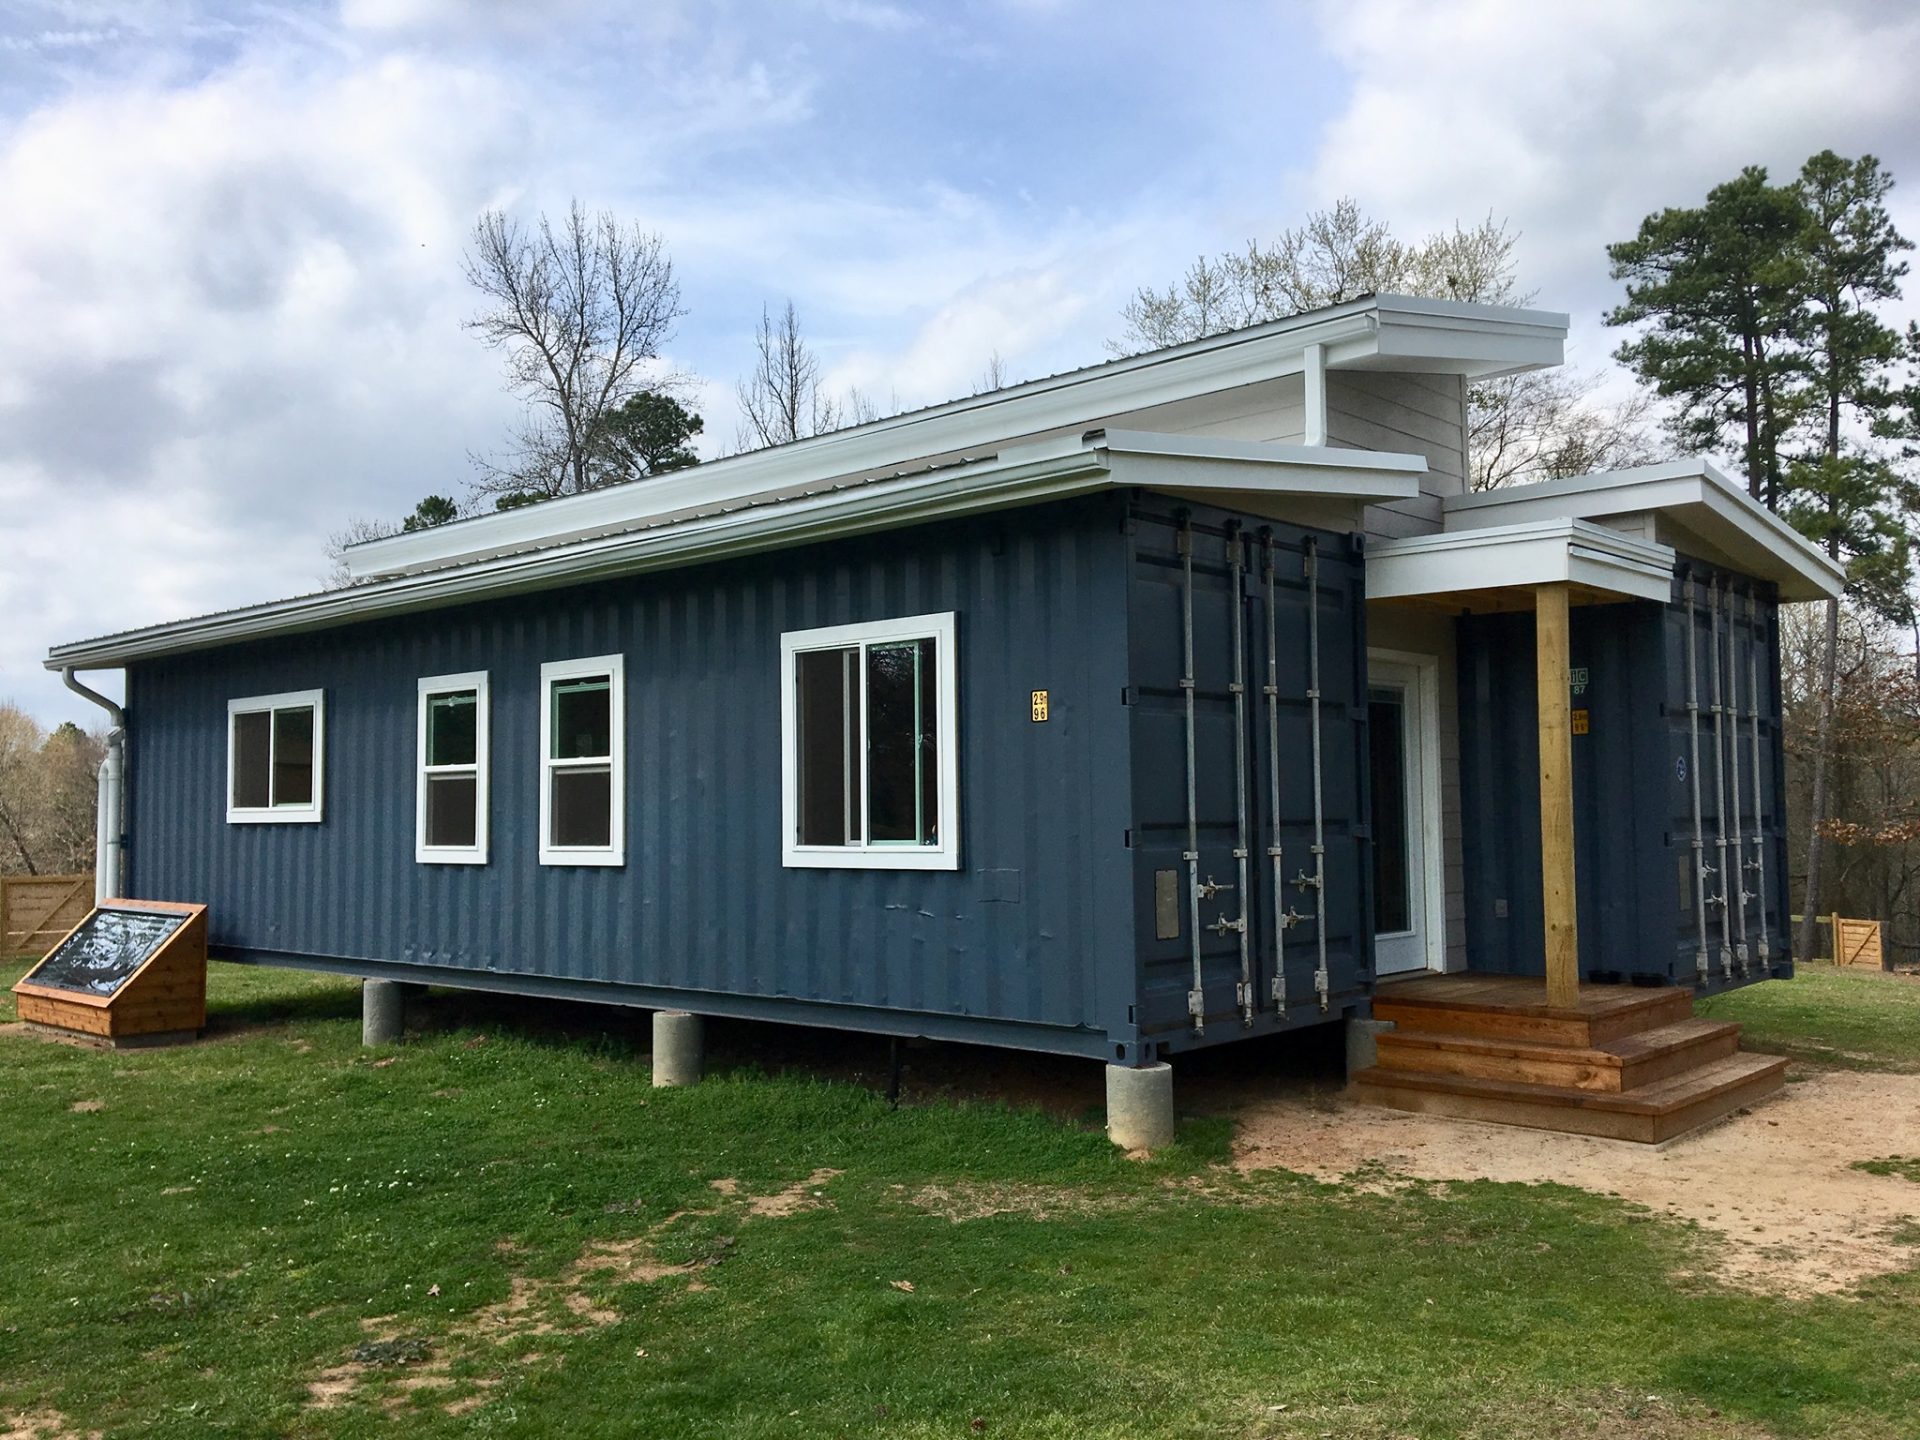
(252, 759)
(1387, 746)
(582, 807)
(293, 756)
(899, 744)
(582, 718)
(453, 734)
(829, 770)
(453, 809)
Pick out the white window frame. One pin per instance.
(476, 853)
(888, 854)
(270, 814)
(614, 668)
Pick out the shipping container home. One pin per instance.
(1182, 699)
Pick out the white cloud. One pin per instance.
(1574, 121)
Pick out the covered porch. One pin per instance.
(1529, 1029)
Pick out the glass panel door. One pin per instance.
(1399, 731)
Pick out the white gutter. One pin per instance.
(1055, 469)
(110, 814)
(1384, 331)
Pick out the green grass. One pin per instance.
(1907, 1167)
(183, 1260)
(1850, 1019)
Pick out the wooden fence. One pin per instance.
(37, 910)
(1846, 941)
(1857, 942)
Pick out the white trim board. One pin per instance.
(1425, 672)
(1543, 552)
(1384, 332)
(614, 853)
(311, 813)
(1696, 508)
(1259, 472)
(476, 853)
(942, 628)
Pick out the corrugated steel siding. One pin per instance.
(1159, 775)
(1033, 929)
(1633, 816)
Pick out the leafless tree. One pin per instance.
(20, 741)
(354, 532)
(581, 310)
(994, 377)
(1529, 427)
(781, 398)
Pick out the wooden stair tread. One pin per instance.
(1516, 996)
(1660, 1098)
(1619, 1052)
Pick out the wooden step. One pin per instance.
(1511, 1008)
(1615, 1065)
(1648, 1113)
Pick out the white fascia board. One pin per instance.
(1520, 557)
(1021, 477)
(1422, 334)
(1693, 492)
(1201, 462)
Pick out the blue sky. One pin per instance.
(230, 298)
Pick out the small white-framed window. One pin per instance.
(450, 803)
(870, 771)
(583, 762)
(276, 758)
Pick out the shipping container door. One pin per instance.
(1234, 890)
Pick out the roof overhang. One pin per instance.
(1193, 466)
(1688, 505)
(1498, 568)
(1383, 332)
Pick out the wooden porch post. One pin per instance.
(1556, 794)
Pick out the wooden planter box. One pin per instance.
(131, 972)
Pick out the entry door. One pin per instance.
(1403, 743)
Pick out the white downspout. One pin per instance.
(1315, 371)
(109, 859)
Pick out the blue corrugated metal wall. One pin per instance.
(1632, 787)
(1035, 928)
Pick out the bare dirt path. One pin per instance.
(1776, 1183)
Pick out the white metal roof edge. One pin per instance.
(1020, 476)
(1511, 556)
(1349, 333)
(1663, 486)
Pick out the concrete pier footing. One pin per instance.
(382, 1012)
(1140, 1106)
(679, 1048)
(1363, 1043)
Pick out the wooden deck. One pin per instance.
(1624, 1062)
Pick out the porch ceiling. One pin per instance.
(1499, 568)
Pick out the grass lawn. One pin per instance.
(504, 1231)
(1849, 1018)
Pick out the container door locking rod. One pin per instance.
(1759, 862)
(1318, 880)
(1725, 899)
(1237, 567)
(1737, 876)
(1284, 918)
(1196, 996)
(1701, 870)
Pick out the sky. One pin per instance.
(231, 298)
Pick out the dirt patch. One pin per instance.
(1777, 1184)
(965, 1201)
(87, 1107)
(801, 1195)
(40, 1425)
